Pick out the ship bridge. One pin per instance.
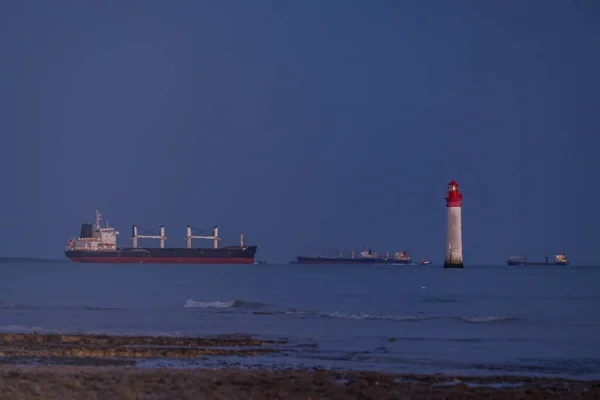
(95, 238)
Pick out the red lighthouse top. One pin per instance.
(454, 197)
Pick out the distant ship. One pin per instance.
(99, 245)
(559, 259)
(364, 257)
(424, 261)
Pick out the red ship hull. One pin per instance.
(224, 255)
(161, 260)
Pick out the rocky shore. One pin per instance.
(108, 376)
(32, 346)
(131, 383)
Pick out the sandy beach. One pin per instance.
(99, 366)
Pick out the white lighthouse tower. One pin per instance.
(454, 256)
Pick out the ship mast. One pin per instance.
(98, 216)
(215, 238)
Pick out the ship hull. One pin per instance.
(535, 263)
(231, 255)
(341, 260)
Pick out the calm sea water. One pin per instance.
(480, 320)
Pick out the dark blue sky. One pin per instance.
(304, 125)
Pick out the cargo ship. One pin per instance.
(364, 257)
(559, 259)
(96, 244)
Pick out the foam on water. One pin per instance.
(191, 303)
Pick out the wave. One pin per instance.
(9, 306)
(440, 300)
(492, 318)
(26, 329)
(191, 303)
(30, 307)
(341, 315)
(78, 331)
(103, 308)
(368, 316)
(362, 316)
(15, 306)
(401, 318)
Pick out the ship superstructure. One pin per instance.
(94, 237)
(99, 245)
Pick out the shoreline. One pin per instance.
(104, 366)
(133, 383)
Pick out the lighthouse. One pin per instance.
(454, 256)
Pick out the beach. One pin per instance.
(104, 366)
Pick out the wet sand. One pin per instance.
(109, 378)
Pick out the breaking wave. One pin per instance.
(191, 303)
(400, 318)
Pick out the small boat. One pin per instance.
(424, 261)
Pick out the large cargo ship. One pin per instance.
(99, 245)
(364, 257)
(559, 259)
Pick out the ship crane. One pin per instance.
(161, 236)
(215, 237)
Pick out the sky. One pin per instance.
(305, 125)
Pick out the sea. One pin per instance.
(480, 320)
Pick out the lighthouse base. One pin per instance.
(449, 265)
